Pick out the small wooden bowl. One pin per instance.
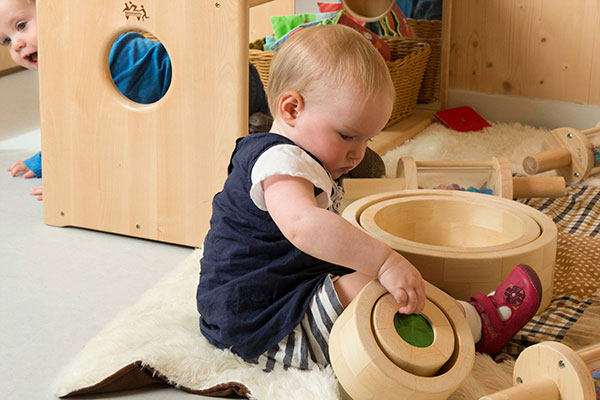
(372, 362)
(468, 269)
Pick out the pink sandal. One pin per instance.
(521, 291)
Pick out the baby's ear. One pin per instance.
(290, 105)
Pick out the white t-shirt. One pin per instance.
(287, 159)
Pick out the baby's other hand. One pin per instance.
(37, 191)
(404, 282)
(18, 168)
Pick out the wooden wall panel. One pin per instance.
(546, 49)
(6, 63)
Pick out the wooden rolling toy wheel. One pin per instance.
(567, 150)
(372, 361)
(552, 371)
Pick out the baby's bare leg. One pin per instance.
(348, 286)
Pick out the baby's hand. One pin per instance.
(19, 167)
(404, 282)
(37, 191)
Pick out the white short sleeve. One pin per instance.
(287, 159)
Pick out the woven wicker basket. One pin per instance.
(429, 32)
(409, 60)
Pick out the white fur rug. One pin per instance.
(160, 333)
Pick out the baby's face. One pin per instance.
(18, 31)
(337, 130)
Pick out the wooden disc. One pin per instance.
(582, 158)
(421, 361)
(559, 363)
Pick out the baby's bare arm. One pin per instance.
(327, 236)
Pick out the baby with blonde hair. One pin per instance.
(331, 57)
(280, 264)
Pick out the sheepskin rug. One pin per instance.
(513, 141)
(160, 333)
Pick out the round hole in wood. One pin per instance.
(140, 67)
(414, 329)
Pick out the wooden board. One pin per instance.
(148, 171)
(393, 136)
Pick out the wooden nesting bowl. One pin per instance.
(448, 224)
(461, 242)
(372, 361)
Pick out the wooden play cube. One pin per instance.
(144, 170)
(462, 242)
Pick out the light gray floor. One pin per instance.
(58, 286)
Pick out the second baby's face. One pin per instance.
(18, 31)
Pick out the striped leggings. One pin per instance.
(307, 344)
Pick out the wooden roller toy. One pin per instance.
(552, 371)
(572, 153)
(495, 176)
(374, 356)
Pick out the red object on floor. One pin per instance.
(462, 119)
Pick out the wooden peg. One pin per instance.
(548, 186)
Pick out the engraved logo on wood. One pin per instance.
(132, 10)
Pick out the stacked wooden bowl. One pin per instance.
(461, 242)
(372, 360)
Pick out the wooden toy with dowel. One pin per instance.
(574, 154)
(491, 177)
(552, 371)
(375, 356)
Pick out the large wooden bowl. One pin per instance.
(461, 242)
